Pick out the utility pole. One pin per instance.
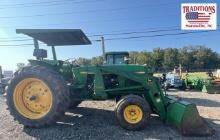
(103, 47)
(36, 46)
(180, 70)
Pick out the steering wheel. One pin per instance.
(72, 61)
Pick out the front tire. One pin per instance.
(132, 112)
(37, 96)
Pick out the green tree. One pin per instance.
(170, 59)
(190, 57)
(149, 59)
(157, 57)
(83, 61)
(185, 57)
(141, 58)
(144, 57)
(97, 60)
(133, 55)
(204, 57)
(198, 57)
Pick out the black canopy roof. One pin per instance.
(57, 37)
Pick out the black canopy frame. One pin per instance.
(56, 37)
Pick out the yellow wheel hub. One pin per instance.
(133, 114)
(32, 98)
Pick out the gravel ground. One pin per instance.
(95, 120)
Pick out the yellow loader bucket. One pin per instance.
(186, 118)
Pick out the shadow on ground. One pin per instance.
(90, 123)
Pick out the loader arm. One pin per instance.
(141, 82)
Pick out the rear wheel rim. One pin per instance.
(32, 98)
(133, 114)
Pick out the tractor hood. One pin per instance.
(137, 69)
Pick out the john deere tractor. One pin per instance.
(40, 93)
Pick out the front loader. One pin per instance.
(40, 93)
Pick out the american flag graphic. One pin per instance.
(196, 17)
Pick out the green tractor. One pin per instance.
(116, 58)
(40, 93)
(202, 83)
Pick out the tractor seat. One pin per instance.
(40, 53)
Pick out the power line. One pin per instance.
(101, 34)
(15, 40)
(109, 32)
(14, 37)
(168, 29)
(50, 4)
(88, 11)
(151, 36)
(30, 3)
(106, 20)
(121, 38)
(134, 32)
(104, 34)
(18, 45)
(13, 45)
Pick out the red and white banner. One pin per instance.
(198, 16)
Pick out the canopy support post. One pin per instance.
(36, 45)
(54, 53)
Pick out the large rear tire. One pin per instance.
(37, 96)
(132, 112)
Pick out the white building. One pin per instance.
(218, 73)
(8, 74)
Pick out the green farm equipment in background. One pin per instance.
(201, 82)
(41, 92)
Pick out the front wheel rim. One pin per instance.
(133, 114)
